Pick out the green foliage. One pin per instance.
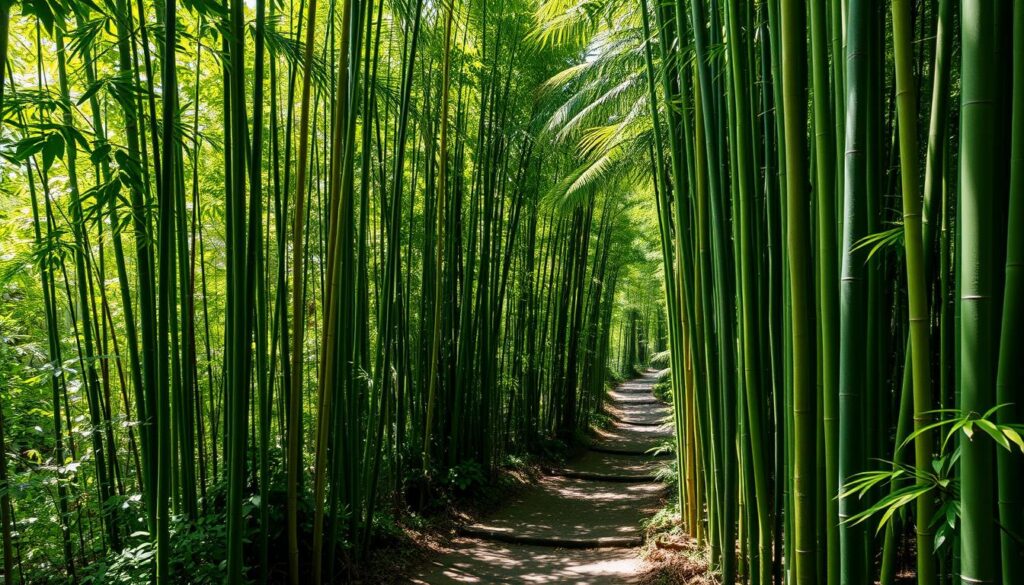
(152, 260)
(517, 462)
(666, 446)
(561, 22)
(1005, 435)
(197, 555)
(466, 477)
(666, 518)
(663, 388)
(941, 483)
(552, 449)
(668, 473)
(661, 360)
(601, 420)
(877, 242)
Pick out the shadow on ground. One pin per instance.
(581, 524)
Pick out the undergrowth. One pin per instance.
(672, 555)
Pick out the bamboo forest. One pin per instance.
(512, 291)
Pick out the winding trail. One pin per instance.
(580, 524)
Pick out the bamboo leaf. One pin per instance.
(1014, 436)
(991, 430)
(52, 150)
(879, 241)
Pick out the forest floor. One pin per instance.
(580, 523)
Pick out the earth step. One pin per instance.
(644, 402)
(572, 513)
(637, 423)
(594, 476)
(631, 452)
(507, 536)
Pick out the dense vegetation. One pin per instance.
(840, 208)
(278, 277)
(840, 212)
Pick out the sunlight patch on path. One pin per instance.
(581, 524)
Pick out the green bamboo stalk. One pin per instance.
(49, 262)
(256, 288)
(744, 172)
(798, 239)
(238, 340)
(723, 320)
(144, 365)
(828, 290)
(853, 292)
(5, 498)
(1011, 346)
(979, 552)
(165, 296)
(442, 190)
(294, 436)
(906, 105)
(84, 315)
(672, 292)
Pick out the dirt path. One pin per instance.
(581, 524)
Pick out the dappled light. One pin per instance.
(511, 291)
(488, 562)
(588, 515)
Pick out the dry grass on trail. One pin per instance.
(673, 557)
(680, 563)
